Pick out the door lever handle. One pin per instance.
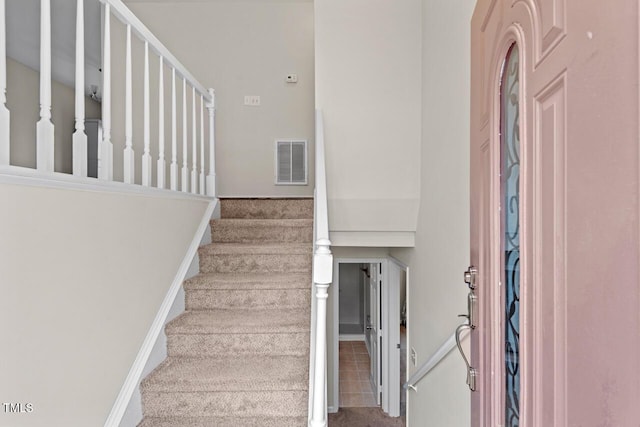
(471, 372)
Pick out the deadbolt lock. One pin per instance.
(470, 277)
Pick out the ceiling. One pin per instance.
(23, 38)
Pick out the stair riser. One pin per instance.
(225, 404)
(231, 421)
(267, 208)
(223, 233)
(264, 298)
(255, 263)
(290, 344)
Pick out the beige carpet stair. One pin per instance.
(267, 208)
(238, 356)
(229, 290)
(224, 421)
(255, 258)
(267, 230)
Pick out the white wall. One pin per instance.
(437, 293)
(368, 86)
(243, 48)
(23, 100)
(83, 274)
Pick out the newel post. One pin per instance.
(211, 176)
(322, 272)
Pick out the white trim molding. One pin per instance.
(382, 239)
(135, 373)
(32, 177)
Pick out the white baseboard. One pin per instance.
(351, 337)
(133, 414)
(127, 409)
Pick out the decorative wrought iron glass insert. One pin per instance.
(510, 209)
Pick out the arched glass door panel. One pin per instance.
(510, 212)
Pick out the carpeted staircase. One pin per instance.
(239, 355)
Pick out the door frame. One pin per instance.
(390, 292)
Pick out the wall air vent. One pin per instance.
(291, 162)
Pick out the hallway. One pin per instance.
(358, 407)
(355, 371)
(363, 417)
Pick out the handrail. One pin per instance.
(433, 361)
(322, 278)
(119, 9)
(321, 181)
(201, 178)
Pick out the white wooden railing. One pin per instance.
(202, 181)
(322, 278)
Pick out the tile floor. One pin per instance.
(355, 370)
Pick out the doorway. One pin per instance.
(370, 297)
(353, 309)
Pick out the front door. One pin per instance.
(554, 213)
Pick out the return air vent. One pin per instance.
(291, 162)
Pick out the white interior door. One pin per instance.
(367, 306)
(390, 299)
(374, 332)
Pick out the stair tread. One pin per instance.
(270, 248)
(262, 222)
(229, 374)
(261, 421)
(248, 281)
(261, 230)
(267, 208)
(237, 321)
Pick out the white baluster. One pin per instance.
(45, 128)
(185, 168)
(194, 137)
(174, 134)
(161, 161)
(5, 118)
(79, 136)
(146, 156)
(129, 154)
(202, 180)
(105, 149)
(211, 177)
